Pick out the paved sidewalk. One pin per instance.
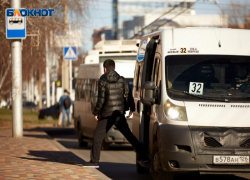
(37, 156)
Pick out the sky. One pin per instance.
(101, 15)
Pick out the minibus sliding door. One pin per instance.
(146, 76)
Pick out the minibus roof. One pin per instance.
(90, 71)
(204, 41)
(94, 71)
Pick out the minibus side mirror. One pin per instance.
(148, 93)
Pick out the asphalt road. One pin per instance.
(118, 162)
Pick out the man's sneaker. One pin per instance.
(91, 164)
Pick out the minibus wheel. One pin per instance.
(81, 143)
(156, 168)
(140, 169)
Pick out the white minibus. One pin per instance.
(192, 92)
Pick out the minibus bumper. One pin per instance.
(179, 144)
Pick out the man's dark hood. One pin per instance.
(110, 76)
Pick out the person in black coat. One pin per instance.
(114, 99)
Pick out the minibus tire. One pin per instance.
(140, 169)
(155, 161)
(81, 143)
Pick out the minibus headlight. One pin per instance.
(174, 112)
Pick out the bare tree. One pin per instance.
(33, 52)
(5, 59)
(238, 12)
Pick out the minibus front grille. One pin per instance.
(221, 140)
(209, 141)
(245, 143)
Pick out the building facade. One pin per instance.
(173, 13)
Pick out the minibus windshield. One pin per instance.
(208, 78)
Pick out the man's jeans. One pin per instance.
(103, 127)
(64, 111)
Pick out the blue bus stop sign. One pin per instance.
(15, 26)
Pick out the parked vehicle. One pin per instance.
(123, 52)
(50, 113)
(28, 106)
(192, 106)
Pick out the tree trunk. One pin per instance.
(40, 91)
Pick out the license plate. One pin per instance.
(231, 159)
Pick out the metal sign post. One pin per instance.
(53, 79)
(17, 105)
(70, 53)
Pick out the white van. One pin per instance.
(192, 94)
(86, 91)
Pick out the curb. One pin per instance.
(62, 148)
(26, 125)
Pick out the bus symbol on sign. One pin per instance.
(15, 20)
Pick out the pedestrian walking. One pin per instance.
(113, 100)
(60, 116)
(65, 103)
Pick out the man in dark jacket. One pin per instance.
(110, 109)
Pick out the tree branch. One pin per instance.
(5, 74)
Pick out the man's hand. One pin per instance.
(96, 118)
(130, 113)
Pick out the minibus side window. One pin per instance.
(149, 59)
(93, 94)
(137, 78)
(79, 89)
(96, 87)
(92, 90)
(82, 89)
(158, 81)
(156, 71)
(76, 89)
(91, 82)
(87, 90)
(156, 76)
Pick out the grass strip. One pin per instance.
(33, 121)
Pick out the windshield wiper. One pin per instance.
(200, 97)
